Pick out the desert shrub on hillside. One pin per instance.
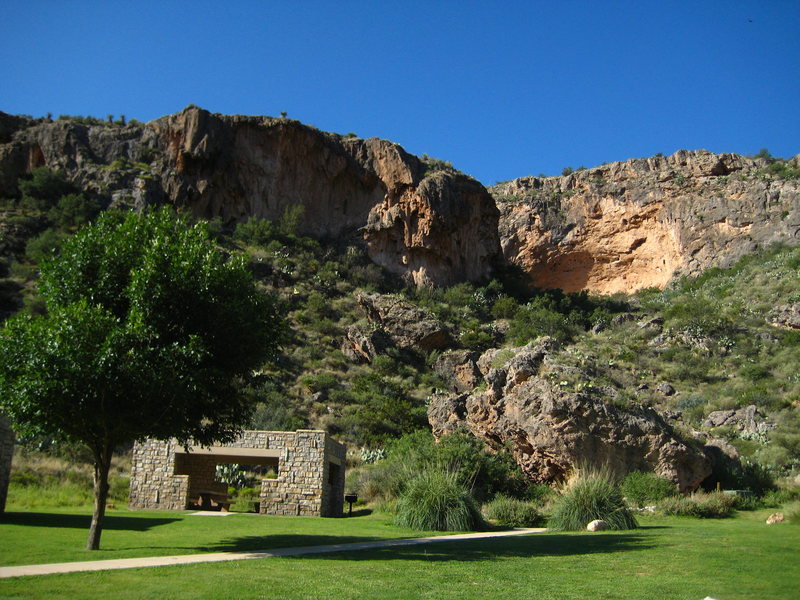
(435, 500)
(44, 188)
(379, 409)
(255, 231)
(74, 210)
(587, 498)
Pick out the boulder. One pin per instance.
(665, 389)
(775, 518)
(597, 525)
(363, 344)
(749, 420)
(786, 316)
(406, 325)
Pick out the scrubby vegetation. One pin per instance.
(436, 500)
(711, 338)
(512, 512)
(589, 497)
(714, 505)
(641, 489)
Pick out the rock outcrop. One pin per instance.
(786, 316)
(363, 344)
(430, 226)
(624, 226)
(749, 420)
(406, 325)
(552, 429)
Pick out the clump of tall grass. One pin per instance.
(435, 500)
(511, 512)
(589, 497)
(640, 488)
(792, 512)
(713, 505)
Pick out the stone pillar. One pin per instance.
(6, 454)
(154, 484)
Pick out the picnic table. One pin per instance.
(211, 499)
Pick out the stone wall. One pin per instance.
(6, 454)
(310, 472)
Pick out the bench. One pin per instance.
(210, 500)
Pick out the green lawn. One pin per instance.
(59, 535)
(667, 558)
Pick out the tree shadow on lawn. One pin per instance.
(33, 519)
(540, 544)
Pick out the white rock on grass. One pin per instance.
(597, 525)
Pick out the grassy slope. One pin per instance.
(667, 559)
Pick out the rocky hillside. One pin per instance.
(695, 378)
(432, 225)
(629, 225)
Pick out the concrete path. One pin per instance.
(186, 559)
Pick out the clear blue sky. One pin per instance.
(501, 89)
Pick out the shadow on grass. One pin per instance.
(358, 512)
(540, 544)
(33, 519)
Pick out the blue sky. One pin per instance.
(500, 89)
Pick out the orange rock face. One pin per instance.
(626, 226)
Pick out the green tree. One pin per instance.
(151, 331)
(44, 188)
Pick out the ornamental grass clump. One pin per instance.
(435, 500)
(588, 498)
(511, 512)
(640, 488)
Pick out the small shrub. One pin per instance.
(588, 498)
(510, 512)
(714, 505)
(233, 474)
(435, 500)
(255, 231)
(776, 498)
(74, 210)
(641, 488)
(539, 493)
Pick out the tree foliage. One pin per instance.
(150, 332)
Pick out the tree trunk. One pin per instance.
(102, 464)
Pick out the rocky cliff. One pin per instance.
(618, 227)
(553, 430)
(430, 226)
(628, 225)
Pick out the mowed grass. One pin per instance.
(667, 558)
(59, 535)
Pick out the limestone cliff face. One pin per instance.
(625, 226)
(432, 228)
(552, 431)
